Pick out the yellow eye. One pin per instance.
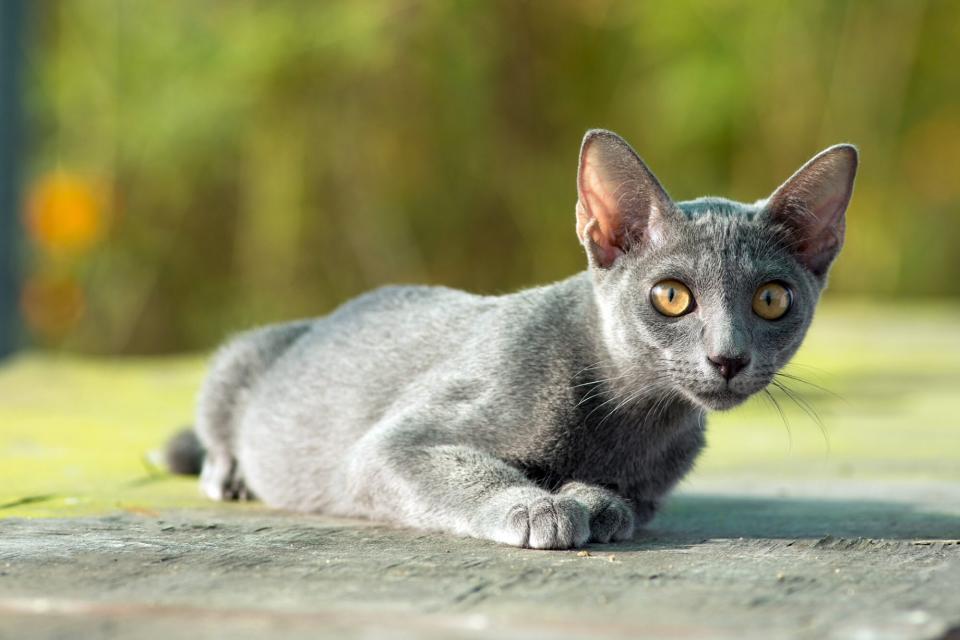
(671, 298)
(772, 300)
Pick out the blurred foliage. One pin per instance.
(252, 161)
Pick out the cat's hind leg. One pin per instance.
(220, 479)
(234, 371)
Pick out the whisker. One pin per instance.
(596, 364)
(783, 417)
(802, 402)
(803, 365)
(590, 395)
(622, 375)
(661, 405)
(644, 388)
(616, 396)
(598, 387)
(790, 376)
(807, 408)
(631, 397)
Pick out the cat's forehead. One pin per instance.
(712, 209)
(721, 240)
(715, 227)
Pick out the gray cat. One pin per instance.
(545, 418)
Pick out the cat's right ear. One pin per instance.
(620, 202)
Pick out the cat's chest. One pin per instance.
(618, 449)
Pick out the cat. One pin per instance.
(546, 418)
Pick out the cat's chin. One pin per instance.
(719, 400)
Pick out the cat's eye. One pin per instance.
(772, 301)
(671, 298)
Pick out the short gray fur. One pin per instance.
(545, 418)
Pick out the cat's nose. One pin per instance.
(729, 367)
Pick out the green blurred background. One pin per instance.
(196, 167)
(191, 168)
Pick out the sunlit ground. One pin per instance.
(75, 433)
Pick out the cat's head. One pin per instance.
(709, 297)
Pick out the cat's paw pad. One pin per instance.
(548, 522)
(611, 517)
(613, 522)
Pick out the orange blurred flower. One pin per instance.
(65, 214)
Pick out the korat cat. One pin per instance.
(546, 418)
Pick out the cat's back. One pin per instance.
(400, 301)
(386, 318)
(365, 352)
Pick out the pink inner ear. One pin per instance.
(825, 231)
(605, 253)
(617, 197)
(812, 204)
(826, 213)
(602, 205)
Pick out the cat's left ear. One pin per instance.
(812, 204)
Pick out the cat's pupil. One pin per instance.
(671, 293)
(768, 298)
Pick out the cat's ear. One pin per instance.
(621, 203)
(812, 206)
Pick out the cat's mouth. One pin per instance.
(719, 400)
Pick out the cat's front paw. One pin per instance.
(535, 519)
(611, 518)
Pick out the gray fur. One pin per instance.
(544, 418)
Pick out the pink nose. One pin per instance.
(729, 367)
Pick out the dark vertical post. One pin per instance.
(11, 64)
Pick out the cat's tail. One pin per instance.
(184, 454)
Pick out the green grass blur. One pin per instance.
(254, 161)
